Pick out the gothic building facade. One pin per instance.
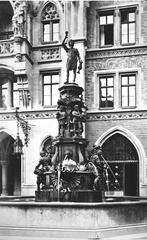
(111, 38)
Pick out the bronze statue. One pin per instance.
(68, 163)
(42, 167)
(77, 121)
(61, 116)
(73, 57)
(95, 165)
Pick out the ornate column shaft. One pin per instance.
(4, 177)
(117, 27)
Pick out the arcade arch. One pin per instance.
(124, 154)
(10, 167)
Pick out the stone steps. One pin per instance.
(142, 236)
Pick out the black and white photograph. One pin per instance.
(73, 120)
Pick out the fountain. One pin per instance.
(66, 172)
(70, 185)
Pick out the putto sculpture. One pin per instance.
(43, 166)
(73, 57)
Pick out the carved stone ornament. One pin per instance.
(45, 114)
(50, 12)
(50, 54)
(96, 54)
(6, 47)
(116, 63)
(116, 116)
(19, 17)
(71, 111)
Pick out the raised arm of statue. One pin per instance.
(64, 42)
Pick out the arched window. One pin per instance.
(123, 165)
(6, 14)
(50, 20)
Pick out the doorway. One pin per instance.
(10, 167)
(123, 166)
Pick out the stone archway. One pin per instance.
(123, 161)
(135, 142)
(10, 167)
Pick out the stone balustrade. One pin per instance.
(6, 47)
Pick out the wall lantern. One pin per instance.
(18, 145)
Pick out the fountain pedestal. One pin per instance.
(81, 191)
(71, 177)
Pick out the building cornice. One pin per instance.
(91, 116)
(29, 115)
(92, 54)
(109, 116)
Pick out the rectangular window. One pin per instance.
(106, 84)
(55, 31)
(106, 29)
(4, 94)
(128, 26)
(15, 97)
(50, 89)
(128, 90)
(46, 32)
(51, 31)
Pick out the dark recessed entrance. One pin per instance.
(122, 157)
(10, 167)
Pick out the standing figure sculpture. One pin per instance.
(77, 121)
(97, 167)
(18, 18)
(42, 167)
(73, 57)
(61, 116)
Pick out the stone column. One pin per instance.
(117, 32)
(4, 177)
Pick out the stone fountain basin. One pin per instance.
(67, 220)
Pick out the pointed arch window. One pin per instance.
(123, 165)
(50, 21)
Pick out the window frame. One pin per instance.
(49, 73)
(10, 94)
(2, 89)
(128, 10)
(117, 26)
(50, 18)
(106, 14)
(106, 87)
(128, 85)
(51, 33)
(13, 92)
